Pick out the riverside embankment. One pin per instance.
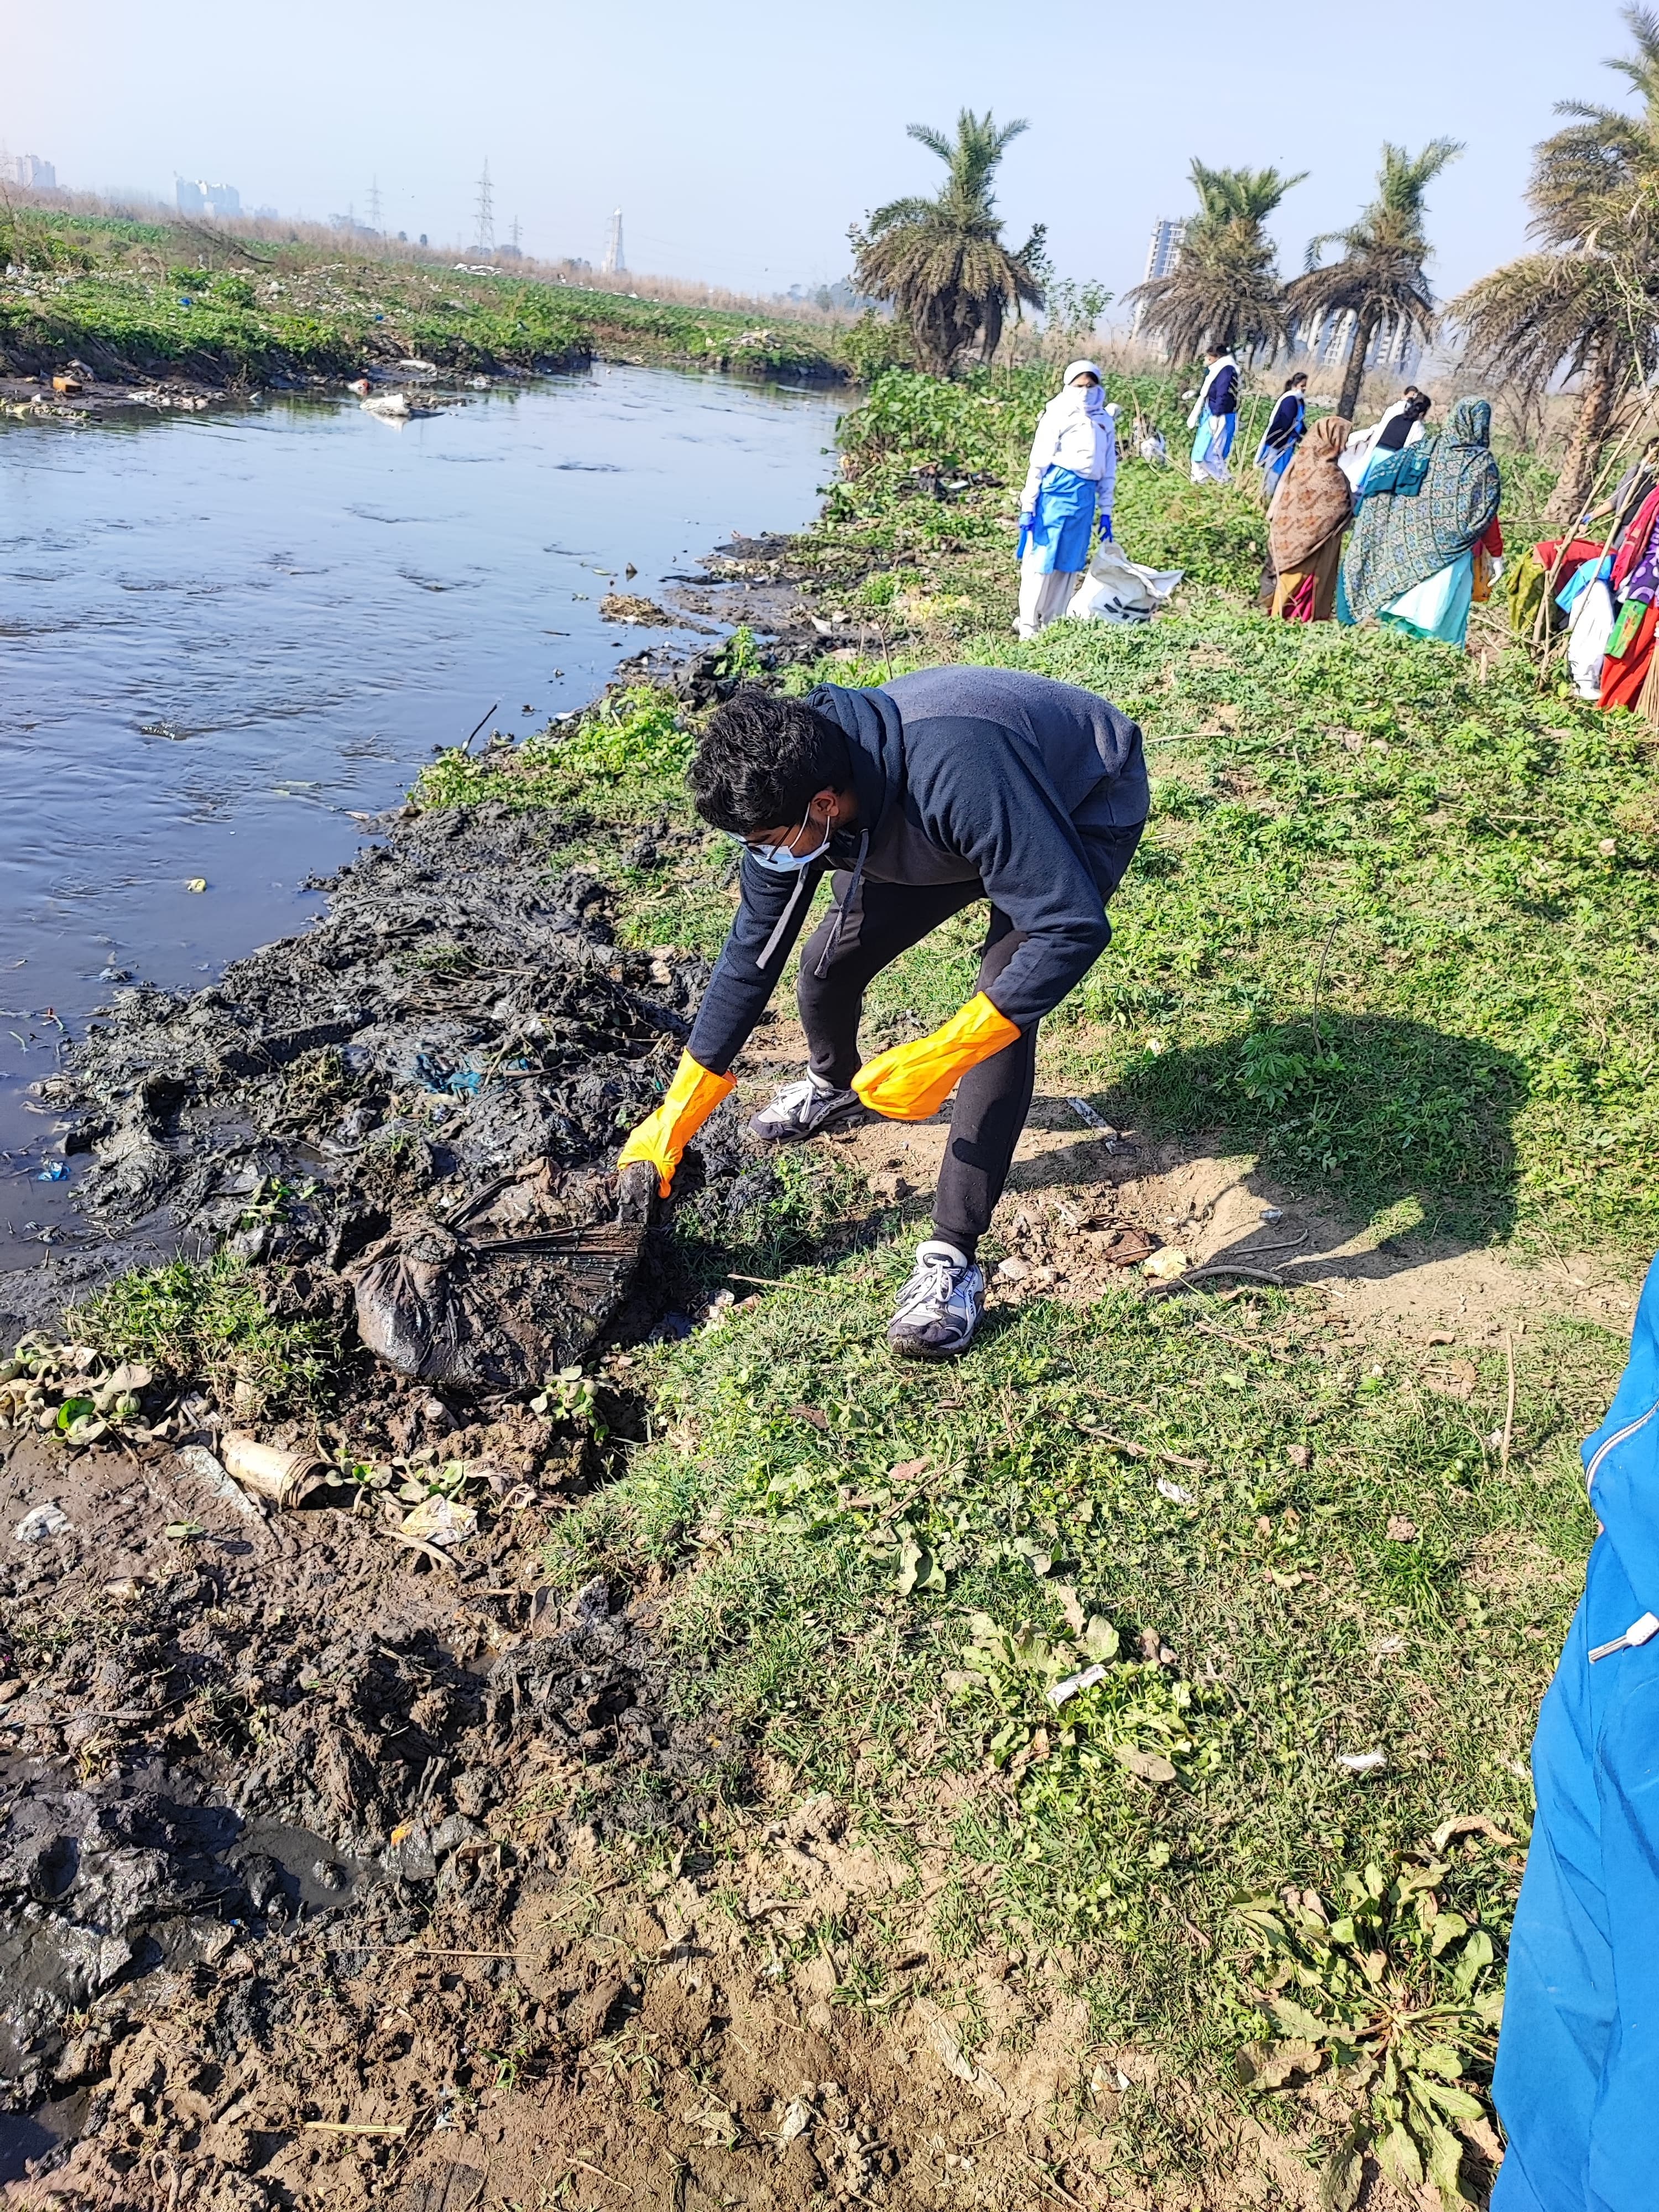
(138, 301)
(810, 1777)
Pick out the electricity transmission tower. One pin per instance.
(615, 263)
(513, 234)
(374, 204)
(486, 213)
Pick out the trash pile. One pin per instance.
(409, 1115)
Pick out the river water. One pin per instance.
(222, 635)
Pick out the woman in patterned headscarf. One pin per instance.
(1410, 561)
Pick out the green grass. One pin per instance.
(206, 1321)
(890, 1637)
(1472, 864)
(103, 293)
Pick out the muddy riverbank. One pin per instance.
(237, 1733)
(251, 1748)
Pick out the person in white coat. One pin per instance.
(1072, 479)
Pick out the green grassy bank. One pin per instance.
(125, 299)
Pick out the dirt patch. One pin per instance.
(1074, 1189)
(548, 2035)
(232, 1749)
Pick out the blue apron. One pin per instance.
(1058, 533)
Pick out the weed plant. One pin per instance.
(206, 1321)
(625, 758)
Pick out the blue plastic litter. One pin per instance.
(451, 1082)
(53, 1171)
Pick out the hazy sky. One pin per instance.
(740, 139)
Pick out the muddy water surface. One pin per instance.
(222, 635)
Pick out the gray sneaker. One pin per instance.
(807, 1109)
(939, 1308)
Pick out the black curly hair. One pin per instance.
(763, 759)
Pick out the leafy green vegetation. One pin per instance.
(1395, 1991)
(626, 756)
(101, 291)
(207, 1322)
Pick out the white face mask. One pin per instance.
(779, 858)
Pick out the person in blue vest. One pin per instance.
(1576, 2083)
(1283, 434)
(1214, 418)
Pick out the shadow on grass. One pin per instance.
(1384, 1117)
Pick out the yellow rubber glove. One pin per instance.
(913, 1081)
(687, 1104)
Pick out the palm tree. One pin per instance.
(942, 262)
(1590, 302)
(1379, 281)
(1224, 289)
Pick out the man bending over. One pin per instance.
(919, 798)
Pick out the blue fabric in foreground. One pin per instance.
(1579, 2054)
(1059, 530)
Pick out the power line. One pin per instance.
(615, 263)
(374, 204)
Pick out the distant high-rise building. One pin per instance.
(1161, 251)
(1165, 243)
(28, 170)
(1327, 340)
(615, 261)
(195, 195)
